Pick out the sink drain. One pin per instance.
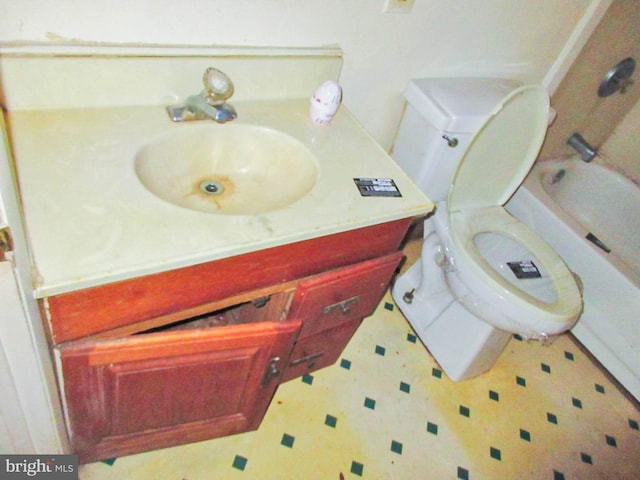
(211, 187)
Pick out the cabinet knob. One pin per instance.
(272, 371)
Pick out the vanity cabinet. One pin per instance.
(198, 352)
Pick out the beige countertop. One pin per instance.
(90, 221)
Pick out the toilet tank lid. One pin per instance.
(457, 105)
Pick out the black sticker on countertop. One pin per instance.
(377, 187)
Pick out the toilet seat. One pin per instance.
(501, 302)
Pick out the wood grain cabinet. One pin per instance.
(198, 353)
(160, 389)
(331, 306)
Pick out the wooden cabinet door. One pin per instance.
(151, 391)
(318, 351)
(329, 299)
(331, 306)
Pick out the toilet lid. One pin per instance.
(502, 152)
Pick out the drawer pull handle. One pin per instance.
(344, 305)
(309, 359)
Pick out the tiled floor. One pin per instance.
(386, 411)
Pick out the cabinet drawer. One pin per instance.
(319, 351)
(350, 293)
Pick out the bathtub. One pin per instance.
(566, 201)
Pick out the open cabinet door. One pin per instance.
(155, 390)
(31, 421)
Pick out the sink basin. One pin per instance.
(227, 169)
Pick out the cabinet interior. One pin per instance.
(268, 308)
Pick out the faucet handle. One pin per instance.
(218, 87)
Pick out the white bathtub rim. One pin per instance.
(536, 193)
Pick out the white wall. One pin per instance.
(515, 38)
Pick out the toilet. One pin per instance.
(482, 276)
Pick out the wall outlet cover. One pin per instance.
(398, 6)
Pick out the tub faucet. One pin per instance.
(210, 104)
(586, 151)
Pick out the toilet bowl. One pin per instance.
(482, 275)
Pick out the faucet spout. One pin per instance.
(210, 103)
(586, 151)
(196, 107)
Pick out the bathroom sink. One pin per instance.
(226, 169)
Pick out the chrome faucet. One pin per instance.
(210, 104)
(586, 151)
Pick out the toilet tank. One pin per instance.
(441, 117)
